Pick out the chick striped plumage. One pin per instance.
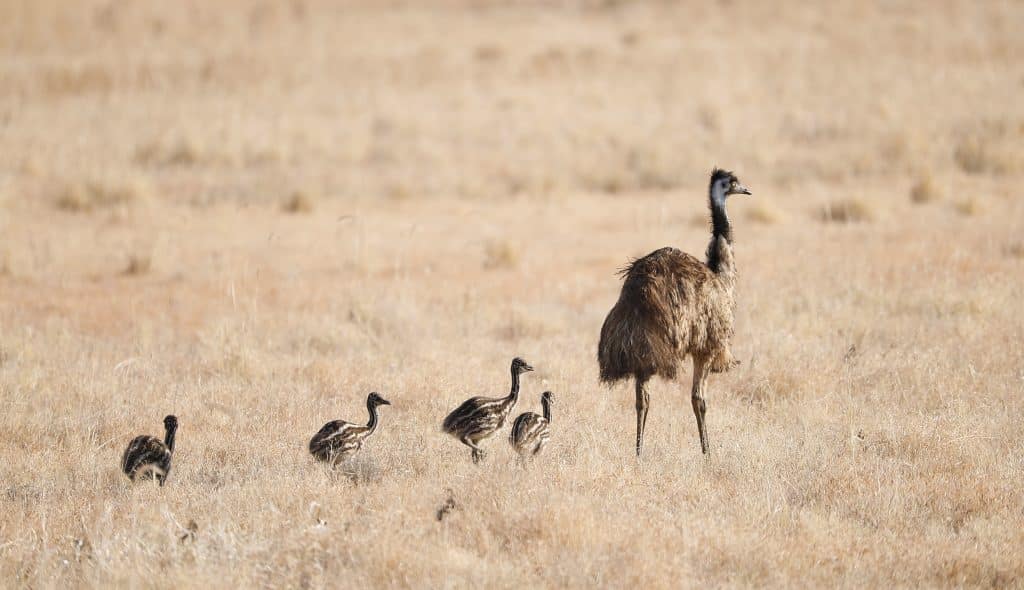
(530, 431)
(339, 439)
(479, 417)
(147, 456)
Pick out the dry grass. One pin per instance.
(925, 190)
(969, 206)
(848, 210)
(764, 212)
(972, 156)
(184, 152)
(976, 155)
(102, 194)
(1014, 249)
(500, 254)
(475, 194)
(138, 264)
(298, 202)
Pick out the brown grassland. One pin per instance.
(251, 214)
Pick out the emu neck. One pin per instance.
(720, 228)
(547, 409)
(372, 424)
(169, 438)
(514, 394)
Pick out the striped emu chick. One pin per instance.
(530, 432)
(672, 306)
(479, 417)
(338, 440)
(148, 457)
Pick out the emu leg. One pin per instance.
(642, 402)
(700, 375)
(478, 453)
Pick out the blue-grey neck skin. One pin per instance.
(169, 437)
(372, 408)
(720, 227)
(546, 404)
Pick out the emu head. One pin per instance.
(376, 400)
(723, 184)
(171, 422)
(520, 366)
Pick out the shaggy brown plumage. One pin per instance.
(338, 439)
(147, 456)
(479, 417)
(530, 432)
(672, 306)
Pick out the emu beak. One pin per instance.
(385, 402)
(527, 367)
(742, 190)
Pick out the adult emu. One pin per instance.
(672, 306)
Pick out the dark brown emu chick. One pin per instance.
(147, 457)
(672, 306)
(531, 432)
(338, 440)
(479, 417)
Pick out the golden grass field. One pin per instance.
(253, 214)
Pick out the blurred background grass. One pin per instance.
(252, 213)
